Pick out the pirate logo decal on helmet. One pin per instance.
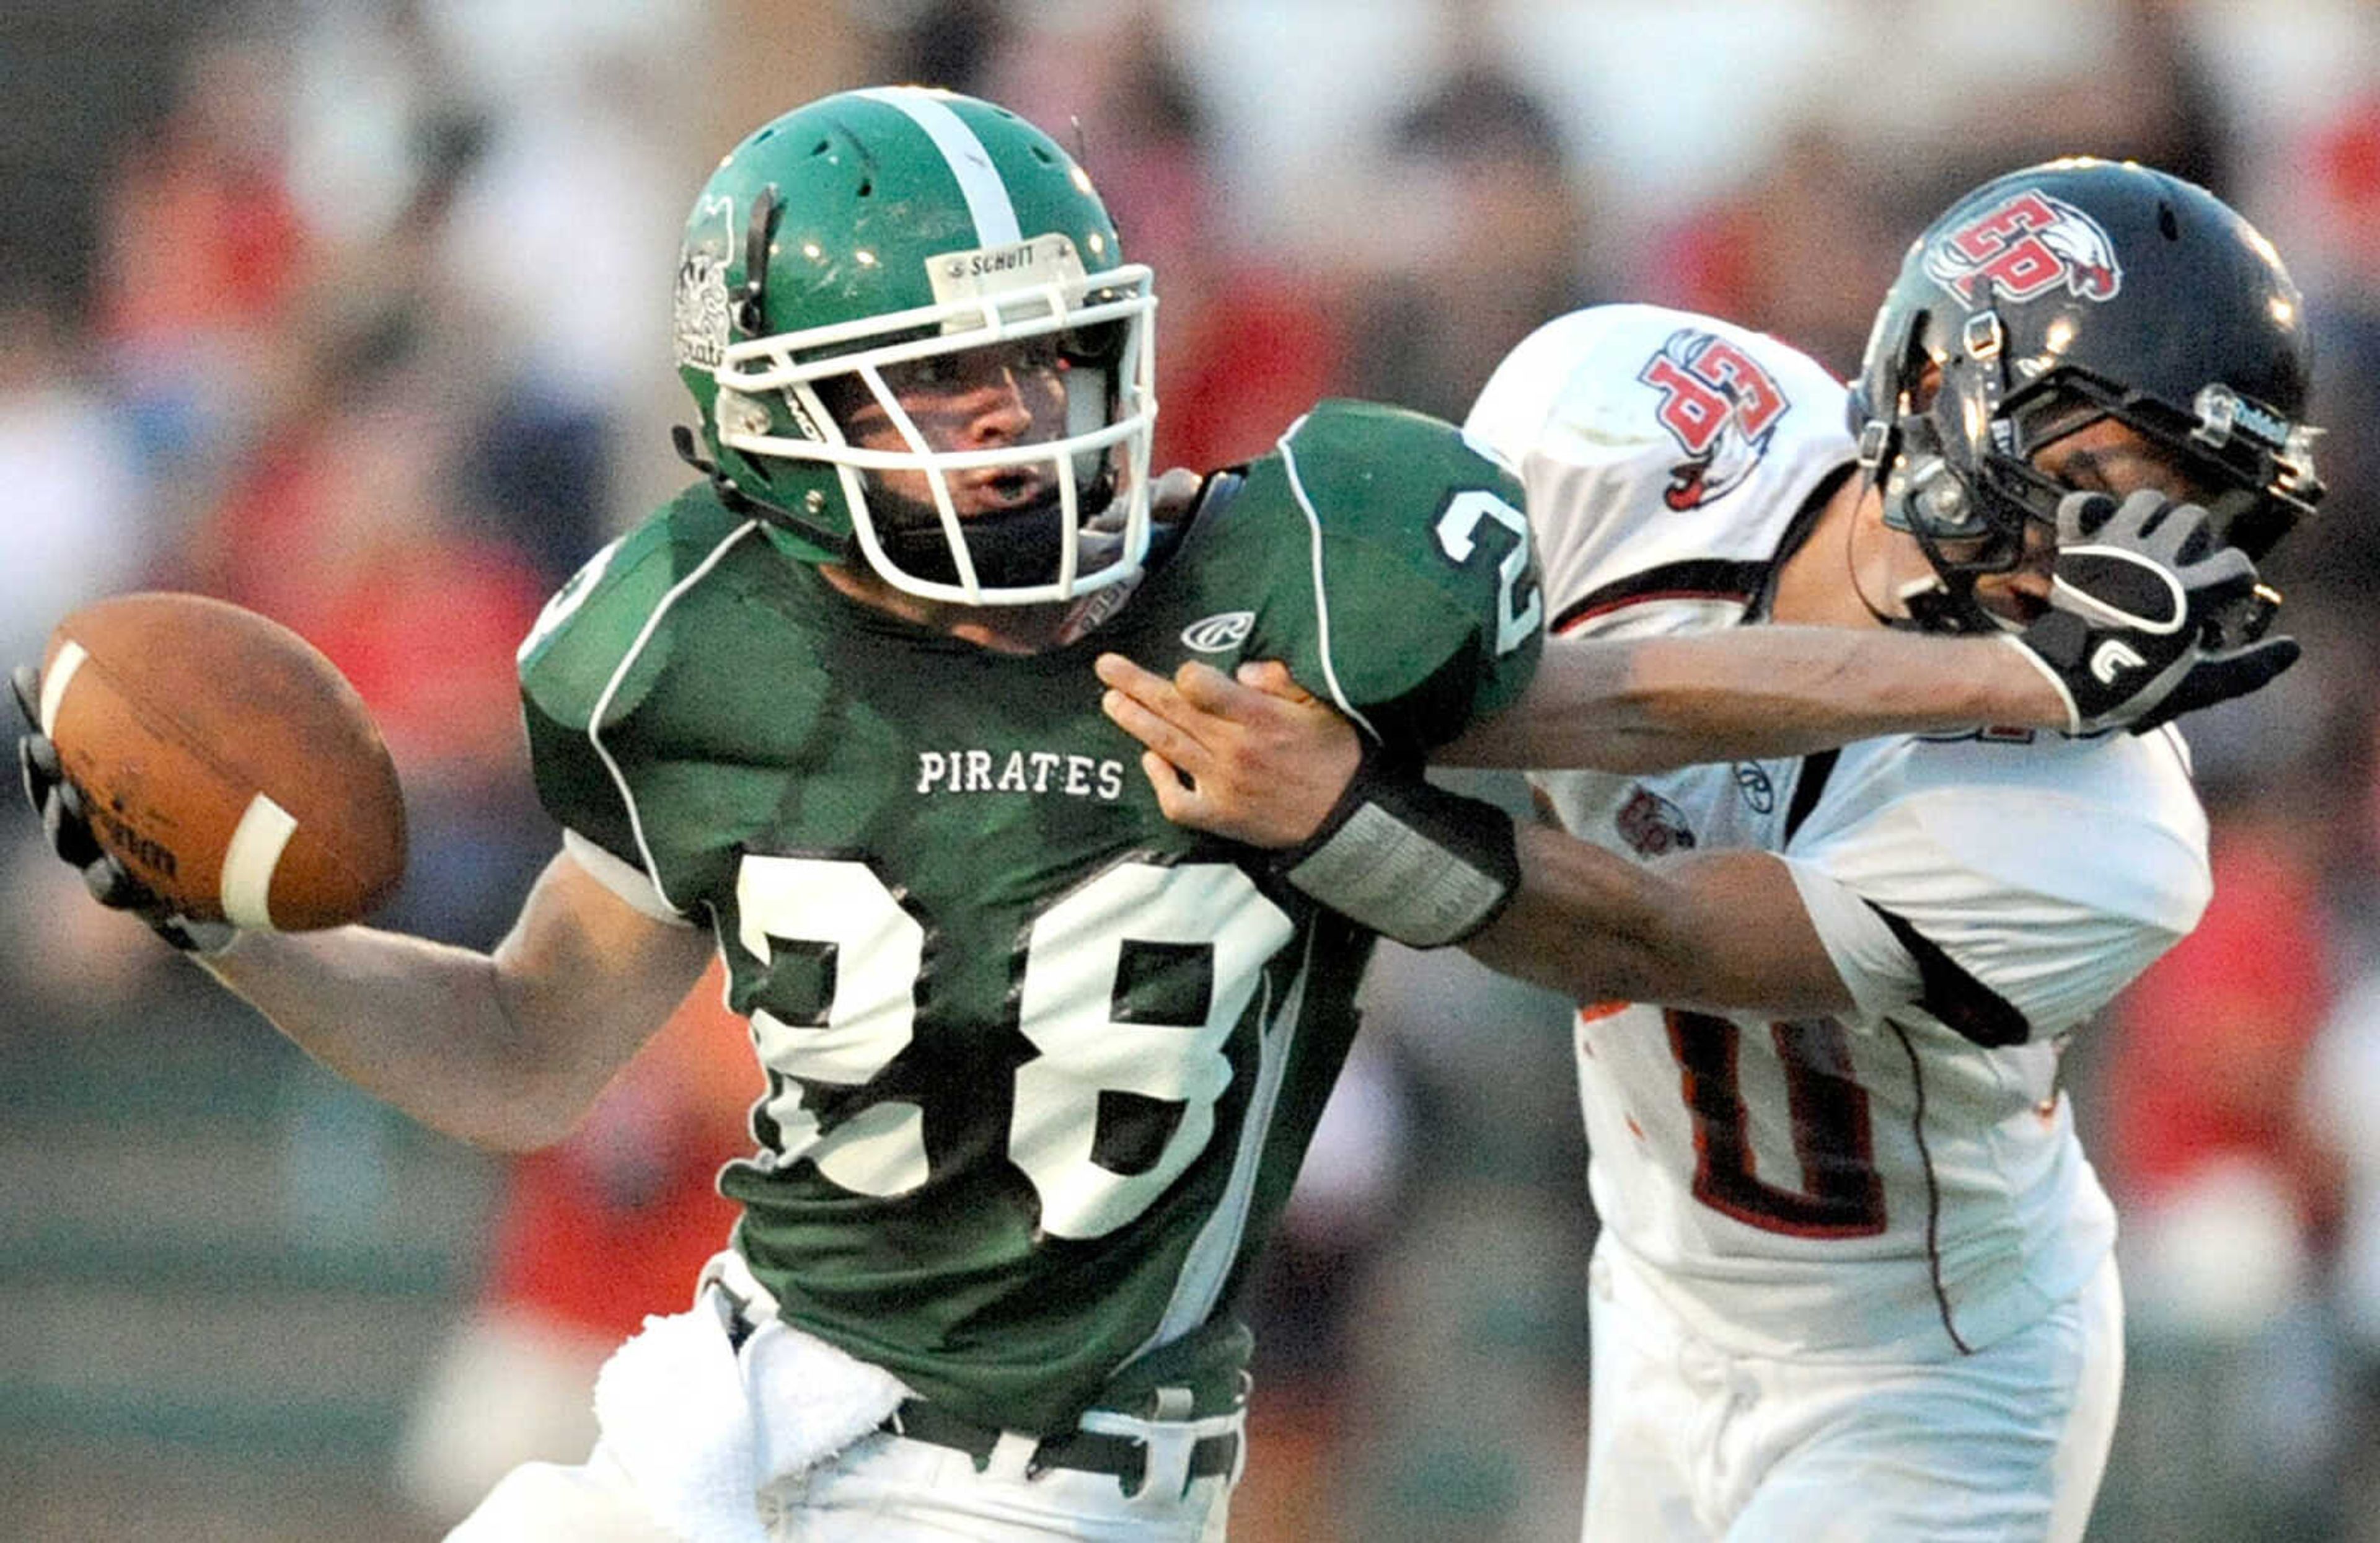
(698, 317)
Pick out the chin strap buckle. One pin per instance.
(1982, 336)
(1934, 606)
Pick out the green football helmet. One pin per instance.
(873, 229)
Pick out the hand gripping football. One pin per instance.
(224, 761)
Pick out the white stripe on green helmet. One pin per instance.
(979, 179)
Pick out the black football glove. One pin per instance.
(58, 804)
(2148, 617)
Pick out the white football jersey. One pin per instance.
(1903, 1182)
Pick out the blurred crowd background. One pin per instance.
(355, 312)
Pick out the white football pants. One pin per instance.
(883, 1489)
(777, 1441)
(1689, 1443)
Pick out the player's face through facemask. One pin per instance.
(1012, 394)
(2102, 456)
(968, 422)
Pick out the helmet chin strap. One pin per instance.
(1926, 601)
(1921, 493)
(1934, 606)
(1010, 548)
(735, 498)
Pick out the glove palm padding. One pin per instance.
(2149, 619)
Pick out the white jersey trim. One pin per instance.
(612, 689)
(1321, 590)
(1199, 1287)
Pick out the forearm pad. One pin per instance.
(1407, 858)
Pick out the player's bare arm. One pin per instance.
(1260, 759)
(1265, 759)
(1718, 931)
(1654, 703)
(505, 1050)
(1260, 752)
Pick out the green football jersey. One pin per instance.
(1041, 1065)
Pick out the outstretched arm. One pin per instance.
(1265, 760)
(504, 1049)
(1652, 703)
(1612, 705)
(1720, 931)
(1257, 759)
(2136, 634)
(2147, 620)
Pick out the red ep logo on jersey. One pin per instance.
(2025, 246)
(1720, 407)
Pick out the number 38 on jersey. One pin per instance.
(1128, 989)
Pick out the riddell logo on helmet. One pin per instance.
(2022, 247)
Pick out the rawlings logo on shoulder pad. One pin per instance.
(1219, 633)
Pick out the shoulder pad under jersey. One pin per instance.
(1666, 455)
(570, 660)
(1401, 566)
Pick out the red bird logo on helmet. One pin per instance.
(2022, 246)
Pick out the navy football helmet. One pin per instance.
(2052, 297)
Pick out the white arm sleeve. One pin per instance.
(1877, 970)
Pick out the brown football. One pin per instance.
(224, 761)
